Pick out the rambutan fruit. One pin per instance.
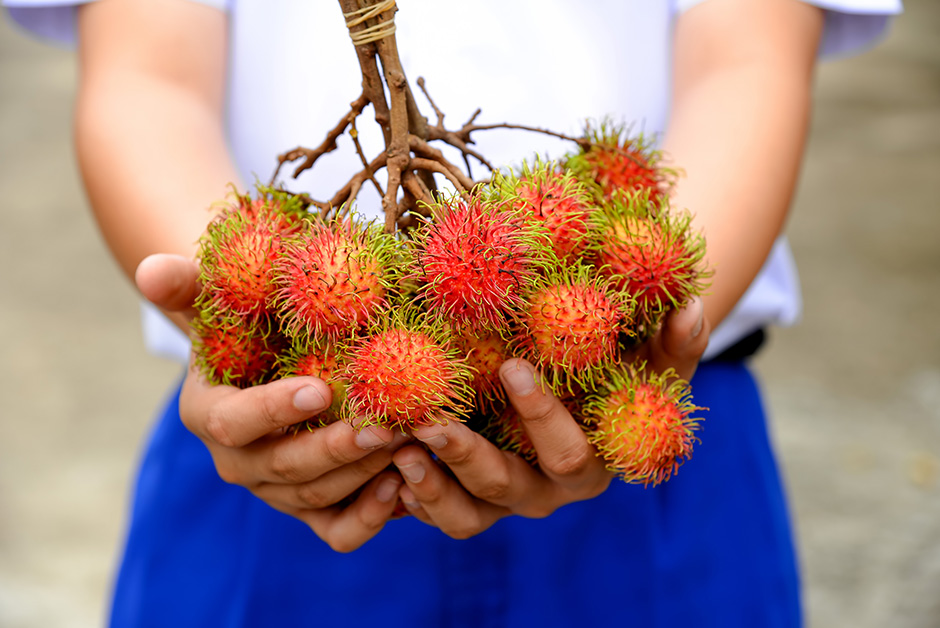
(616, 161)
(651, 252)
(404, 372)
(641, 424)
(473, 259)
(555, 199)
(229, 352)
(571, 325)
(330, 279)
(484, 352)
(317, 359)
(237, 252)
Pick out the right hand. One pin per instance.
(307, 475)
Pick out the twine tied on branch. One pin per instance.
(373, 33)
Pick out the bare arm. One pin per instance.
(740, 112)
(152, 151)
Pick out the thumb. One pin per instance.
(681, 341)
(171, 282)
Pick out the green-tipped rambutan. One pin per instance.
(317, 359)
(473, 260)
(555, 199)
(571, 326)
(641, 424)
(332, 278)
(484, 352)
(237, 252)
(404, 372)
(617, 161)
(234, 354)
(651, 252)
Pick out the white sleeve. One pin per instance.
(54, 20)
(851, 25)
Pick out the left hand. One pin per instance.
(488, 484)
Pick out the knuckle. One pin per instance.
(312, 496)
(334, 452)
(269, 410)
(468, 528)
(572, 463)
(229, 475)
(498, 488)
(216, 427)
(283, 466)
(540, 411)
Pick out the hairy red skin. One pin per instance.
(404, 378)
(329, 282)
(571, 331)
(559, 204)
(472, 263)
(235, 355)
(643, 428)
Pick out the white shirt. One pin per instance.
(293, 73)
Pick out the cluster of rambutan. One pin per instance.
(571, 265)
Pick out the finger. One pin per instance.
(347, 529)
(328, 489)
(234, 417)
(306, 476)
(681, 341)
(446, 503)
(564, 453)
(168, 281)
(482, 469)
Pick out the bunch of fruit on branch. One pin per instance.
(570, 264)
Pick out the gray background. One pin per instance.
(854, 390)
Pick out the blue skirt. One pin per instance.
(710, 547)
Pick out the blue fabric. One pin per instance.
(711, 547)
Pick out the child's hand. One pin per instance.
(306, 475)
(488, 484)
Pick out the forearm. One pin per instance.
(149, 135)
(737, 130)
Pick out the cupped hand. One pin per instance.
(311, 475)
(485, 484)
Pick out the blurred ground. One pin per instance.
(854, 390)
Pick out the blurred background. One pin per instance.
(854, 390)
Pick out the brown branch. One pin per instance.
(328, 145)
(437, 112)
(418, 190)
(354, 134)
(345, 195)
(420, 147)
(439, 168)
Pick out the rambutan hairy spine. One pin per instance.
(641, 423)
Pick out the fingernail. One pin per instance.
(408, 497)
(387, 490)
(413, 472)
(309, 399)
(368, 439)
(520, 379)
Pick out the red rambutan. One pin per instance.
(641, 424)
(332, 278)
(571, 326)
(404, 372)
(235, 354)
(650, 252)
(555, 199)
(473, 260)
(616, 161)
(238, 250)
